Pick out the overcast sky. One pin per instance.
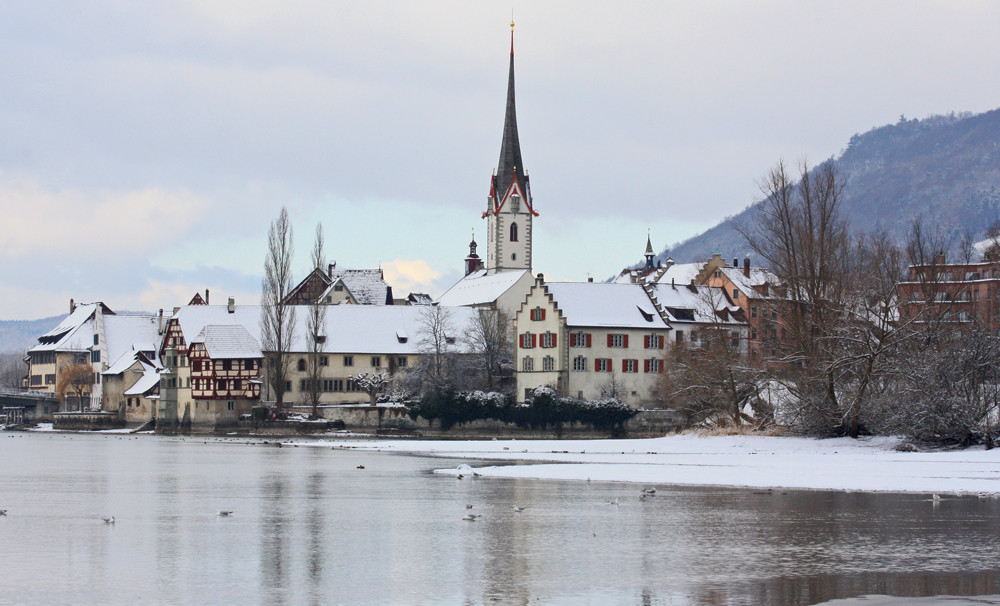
(145, 147)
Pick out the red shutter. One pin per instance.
(543, 314)
(597, 364)
(520, 341)
(624, 362)
(625, 344)
(588, 339)
(554, 339)
(662, 339)
(661, 366)
(645, 341)
(609, 339)
(645, 366)
(534, 340)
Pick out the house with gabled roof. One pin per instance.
(132, 386)
(339, 286)
(590, 340)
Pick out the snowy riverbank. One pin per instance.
(742, 461)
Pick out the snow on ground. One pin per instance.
(742, 460)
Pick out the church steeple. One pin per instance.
(649, 253)
(509, 207)
(510, 166)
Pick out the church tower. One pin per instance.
(509, 208)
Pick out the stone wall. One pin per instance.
(83, 421)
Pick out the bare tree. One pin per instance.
(436, 344)
(75, 378)
(316, 327)
(277, 317)
(802, 237)
(12, 369)
(488, 339)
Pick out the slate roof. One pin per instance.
(601, 304)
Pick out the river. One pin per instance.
(321, 526)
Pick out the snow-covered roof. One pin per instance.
(758, 277)
(228, 341)
(602, 304)
(74, 333)
(150, 378)
(701, 303)
(367, 286)
(681, 273)
(133, 332)
(478, 288)
(375, 329)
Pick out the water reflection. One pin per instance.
(311, 527)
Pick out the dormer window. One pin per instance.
(515, 204)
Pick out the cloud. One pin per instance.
(57, 224)
(407, 276)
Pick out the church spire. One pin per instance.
(510, 166)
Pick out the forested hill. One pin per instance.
(944, 169)
(19, 335)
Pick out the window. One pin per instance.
(96, 341)
(548, 363)
(377, 361)
(548, 339)
(617, 340)
(513, 232)
(348, 360)
(327, 385)
(753, 312)
(630, 365)
(95, 356)
(753, 333)
(653, 341)
(228, 364)
(602, 364)
(579, 339)
(528, 340)
(338, 287)
(230, 405)
(579, 364)
(237, 384)
(36, 379)
(220, 385)
(401, 362)
(302, 364)
(338, 385)
(736, 294)
(537, 314)
(528, 364)
(49, 379)
(324, 361)
(653, 365)
(288, 386)
(680, 336)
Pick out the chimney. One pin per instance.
(541, 278)
(206, 296)
(72, 306)
(159, 323)
(590, 278)
(939, 259)
(736, 262)
(746, 266)
(330, 268)
(232, 305)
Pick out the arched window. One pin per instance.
(513, 232)
(302, 364)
